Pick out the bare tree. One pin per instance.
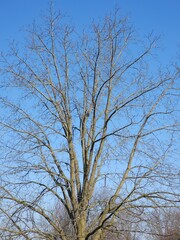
(82, 114)
(164, 224)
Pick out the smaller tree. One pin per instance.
(126, 227)
(164, 225)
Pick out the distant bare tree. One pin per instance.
(83, 114)
(165, 225)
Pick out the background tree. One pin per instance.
(83, 113)
(164, 224)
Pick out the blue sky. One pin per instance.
(160, 16)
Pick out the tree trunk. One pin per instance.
(99, 235)
(81, 227)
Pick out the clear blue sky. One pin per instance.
(161, 16)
